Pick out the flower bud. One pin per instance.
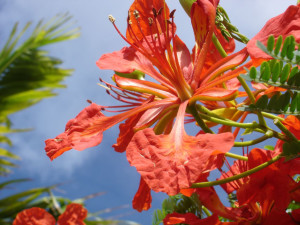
(187, 5)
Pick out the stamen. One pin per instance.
(89, 101)
(154, 12)
(172, 13)
(111, 18)
(159, 11)
(136, 14)
(150, 21)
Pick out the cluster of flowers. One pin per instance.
(201, 86)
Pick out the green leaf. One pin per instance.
(278, 45)
(270, 43)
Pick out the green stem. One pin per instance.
(252, 99)
(228, 122)
(269, 134)
(199, 120)
(235, 156)
(238, 176)
(219, 46)
(271, 116)
(205, 210)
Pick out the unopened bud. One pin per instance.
(187, 5)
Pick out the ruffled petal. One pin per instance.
(73, 136)
(74, 215)
(34, 216)
(172, 162)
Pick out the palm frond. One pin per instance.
(28, 74)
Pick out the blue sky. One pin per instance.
(99, 168)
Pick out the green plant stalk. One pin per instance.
(269, 134)
(235, 156)
(205, 210)
(252, 99)
(285, 130)
(238, 176)
(271, 116)
(219, 46)
(194, 112)
(229, 122)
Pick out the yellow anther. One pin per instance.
(111, 18)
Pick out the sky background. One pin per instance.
(100, 168)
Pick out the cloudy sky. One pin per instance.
(99, 168)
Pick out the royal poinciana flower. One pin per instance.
(153, 134)
(73, 215)
(181, 79)
(265, 194)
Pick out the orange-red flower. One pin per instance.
(181, 78)
(74, 215)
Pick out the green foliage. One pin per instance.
(180, 204)
(282, 71)
(283, 50)
(28, 74)
(275, 73)
(227, 29)
(287, 103)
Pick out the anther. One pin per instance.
(154, 12)
(150, 21)
(111, 18)
(136, 14)
(159, 11)
(107, 91)
(172, 13)
(89, 101)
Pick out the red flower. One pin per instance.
(272, 187)
(74, 215)
(181, 78)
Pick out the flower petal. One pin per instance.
(74, 215)
(203, 15)
(145, 11)
(72, 137)
(215, 94)
(172, 162)
(130, 60)
(184, 58)
(86, 129)
(126, 133)
(143, 86)
(142, 199)
(34, 216)
(284, 24)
